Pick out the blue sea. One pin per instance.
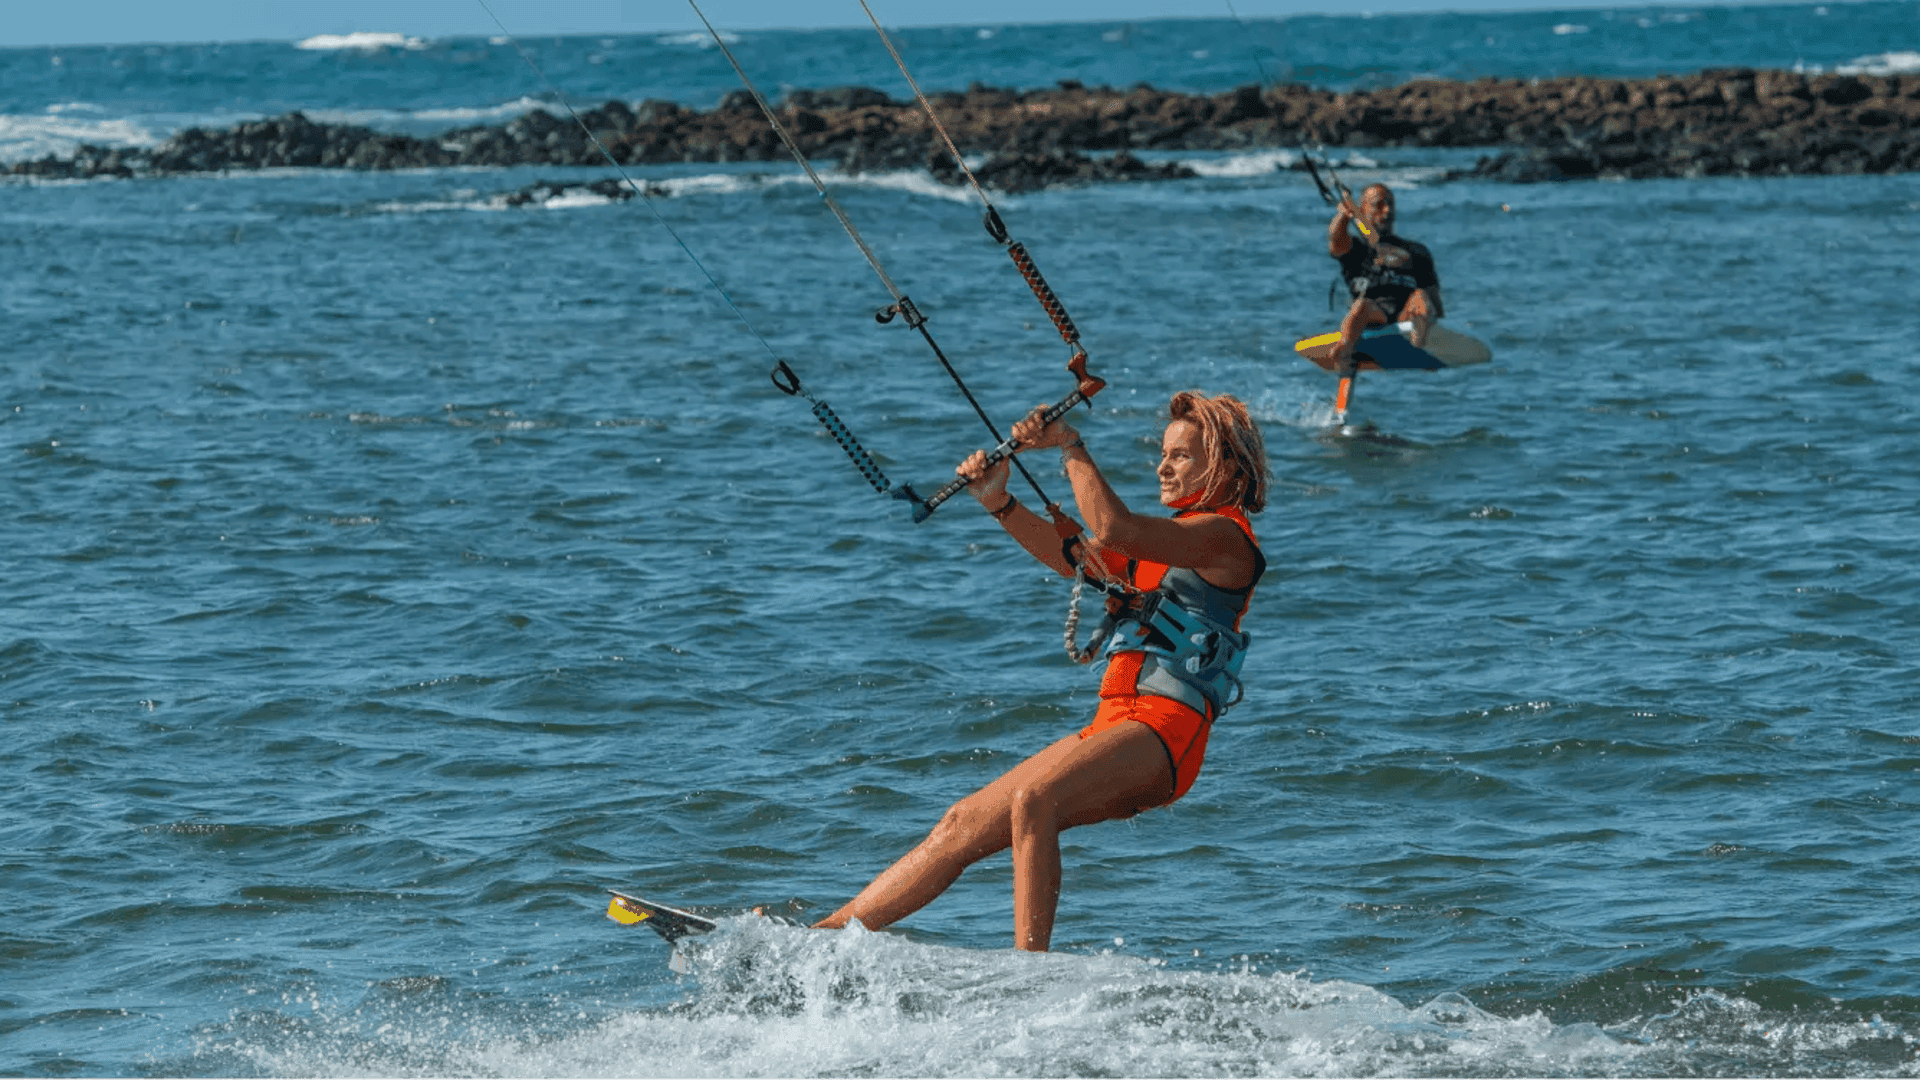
(388, 571)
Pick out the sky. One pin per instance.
(94, 22)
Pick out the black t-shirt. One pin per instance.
(1388, 281)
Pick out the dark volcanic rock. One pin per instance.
(1727, 121)
(296, 142)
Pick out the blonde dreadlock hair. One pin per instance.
(1237, 457)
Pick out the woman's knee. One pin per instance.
(965, 827)
(1033, 807)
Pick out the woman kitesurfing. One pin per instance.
(1178, 588)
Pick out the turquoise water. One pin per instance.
(389, 572)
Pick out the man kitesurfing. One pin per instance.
(1392, 279)
(1392, 321)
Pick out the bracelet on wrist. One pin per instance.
(1005, 508)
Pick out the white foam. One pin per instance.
(469, 200)
(440, 207)
(698, 40)
(713, 184)
(1258, 163)
(1904, 62)
(911, 181)
(766, 999)
(463, 115)
(575, 198)
(30, 138)
(1563, 29)
(780, 1001)
(360, 40)
(516, 107)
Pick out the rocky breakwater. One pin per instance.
(1731, 122)
(1712, 122)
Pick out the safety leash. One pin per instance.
(1072, 631)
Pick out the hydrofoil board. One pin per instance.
(1388, 348)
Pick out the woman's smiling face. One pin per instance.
(1183, 464)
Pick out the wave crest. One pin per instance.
(361, 41)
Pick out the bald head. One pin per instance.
(1376, 207)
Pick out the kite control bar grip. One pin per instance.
(1089, 386)
(1044, 293)
(788, 383)
(861, 459)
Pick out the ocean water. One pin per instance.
(389, 571)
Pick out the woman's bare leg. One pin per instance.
(1072, 782)
(972, 829)
(1116, 773)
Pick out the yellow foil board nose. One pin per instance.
(620, 912)
(1321, 341)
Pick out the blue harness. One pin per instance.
(1190, 658)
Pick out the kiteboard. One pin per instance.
(676, 925)
(670, 923)
(1389, 348)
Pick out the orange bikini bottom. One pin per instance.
(1182, 732)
